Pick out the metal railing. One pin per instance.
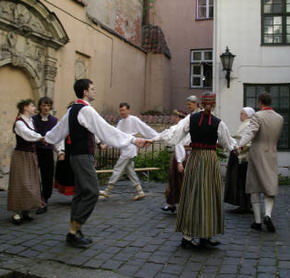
(106, 159)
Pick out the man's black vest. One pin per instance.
(203, 130)
(82, 140)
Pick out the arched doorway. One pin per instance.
(15, 85)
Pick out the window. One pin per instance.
(280, 102)
(201, 68)
(275, 22)
(204, 9)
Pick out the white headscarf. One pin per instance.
(249, 111)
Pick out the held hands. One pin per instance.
(180, 167)
(103, 146)
(141, 142)
(61, 157)
(237, 150)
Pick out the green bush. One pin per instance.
(283, 180)
(158, 159)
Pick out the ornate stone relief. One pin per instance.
(29, 36)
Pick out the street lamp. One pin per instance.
(227, 61)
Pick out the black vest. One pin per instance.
(82, 140)
(23, 145)
(203, 130)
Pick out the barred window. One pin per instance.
(280, 102)
(275, 22)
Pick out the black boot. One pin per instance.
(88, 239)
(188, 244)
(209, 242)
(171, 208)
(77, 241)
(256, 226)
(269, 224)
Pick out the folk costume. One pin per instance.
(200, 212)
(64, 176)
(235, 191)
(45, 156)
(24, 187)
(131, 125)
(179, 156)
(264, 131)
(82, 122)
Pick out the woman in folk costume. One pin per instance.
(235, 191)
(24, 187)
(200, 212)
(176, 168)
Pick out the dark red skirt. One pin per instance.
(64, 177)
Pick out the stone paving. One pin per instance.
(137, 239)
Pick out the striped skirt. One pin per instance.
(200, 212)
(24, 187)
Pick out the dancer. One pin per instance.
(192, 104)
(235, 191)
(264, 131)
(44, 122)
(24, 188)
(131, 125)
(200, 212)
(82, 123)
(177, 164)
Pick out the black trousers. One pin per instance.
(46, 166)
(86, 187)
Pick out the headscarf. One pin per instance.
(249, 111)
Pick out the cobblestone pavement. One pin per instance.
(137, 239)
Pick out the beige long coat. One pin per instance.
(264, 131)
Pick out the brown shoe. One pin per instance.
(137, 197)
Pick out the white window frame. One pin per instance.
(200, 63)
(208, 6)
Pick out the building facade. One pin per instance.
(45, 45)
(258, 33)
(188, 30)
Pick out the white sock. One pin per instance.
(257, 212)
(188, 238)
(269, 203)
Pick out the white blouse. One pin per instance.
(181, 130)
(23, 131)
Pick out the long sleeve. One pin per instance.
(90, 119)
(179, 153)
(59, 132)
(175, 134)
(145, 130)
(27, 134)
(224, 137)
(250, 131)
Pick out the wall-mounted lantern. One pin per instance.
(227, 61)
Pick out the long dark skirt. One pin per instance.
(172, 193)
(64, 177)
(235, 192)
(200, 210)
(24, 182)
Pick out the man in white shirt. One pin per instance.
(82, 122)
(130, 125)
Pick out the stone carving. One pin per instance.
(27, 31)
(32, 19)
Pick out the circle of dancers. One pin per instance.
(195, 181)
